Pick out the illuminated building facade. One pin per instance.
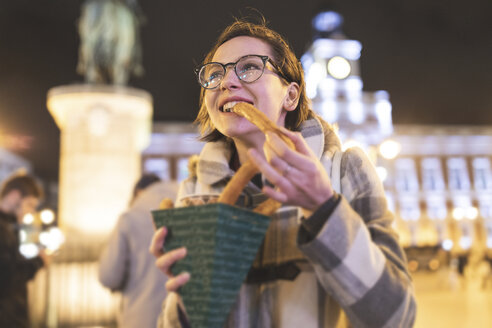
(440, 186)
(334, 85)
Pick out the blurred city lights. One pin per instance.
(382, 173)
(489, 242)
(327, 21)
(413, 265)
(458, 213)
(28, 218)
(471, 213)
(22, 236)
(52, 239)
(389, 149)
(314, 76)
(47, 216)
(44, 238)
(465, 242)
(327, 88)
(353, 85)
(356, 112)
(339, 67)
(29, 250)
(434, 264)
(350, 143)
(447, 244)
(329, 111)
(410, 213)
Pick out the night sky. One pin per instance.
(433, 57)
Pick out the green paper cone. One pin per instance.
(222, 242)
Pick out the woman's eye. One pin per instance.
(214, 75)
(250, 66)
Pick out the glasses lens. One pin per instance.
(249, 69)
(211, 75)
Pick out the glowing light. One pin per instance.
(47, 216)
(382, 173)
(329, 111)
(389, 149)
(356, 112)
(315, 74)
(28, 218)
(52, 239)
(458, 213)
(434, 264)
(447, 244)
(353, 85)
(327, 88)
(465, 242)
(413, 265)
(352, 143)
(437, 212)
(471, 213)
(29, 250)
(410, 214)
(339, 67)
(327, 21)
(383, 113)
(22, 236)
(44, 238)
(489, 242)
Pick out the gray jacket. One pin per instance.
(353, 271)
(126, 264)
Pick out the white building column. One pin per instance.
(103, 132)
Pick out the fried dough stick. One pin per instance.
(248, 170)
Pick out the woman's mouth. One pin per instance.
(227, 107)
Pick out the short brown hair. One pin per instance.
(24, 183)
(286, 61)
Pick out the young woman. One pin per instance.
(328, 259)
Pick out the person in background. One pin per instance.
(20, 194)
(125, 264)
(328, 255)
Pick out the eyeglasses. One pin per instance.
(248, 69)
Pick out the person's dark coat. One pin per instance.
(15, 272)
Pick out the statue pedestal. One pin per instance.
(103, 132)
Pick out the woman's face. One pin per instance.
(268, 93)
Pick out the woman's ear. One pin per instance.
(292, 98)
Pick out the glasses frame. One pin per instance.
(263, 58)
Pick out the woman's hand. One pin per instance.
(299, 177)
(165, 260)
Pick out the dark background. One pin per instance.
(433, 57)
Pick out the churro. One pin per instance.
(248, 170)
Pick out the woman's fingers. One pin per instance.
(275, 147)
(158, 242)
(270, 173)
(166, 261)
(298, 175)
(173, 284)
(275, 194)
(273, 175)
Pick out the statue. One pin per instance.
(109, 41)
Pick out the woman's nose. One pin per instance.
(230, 79)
